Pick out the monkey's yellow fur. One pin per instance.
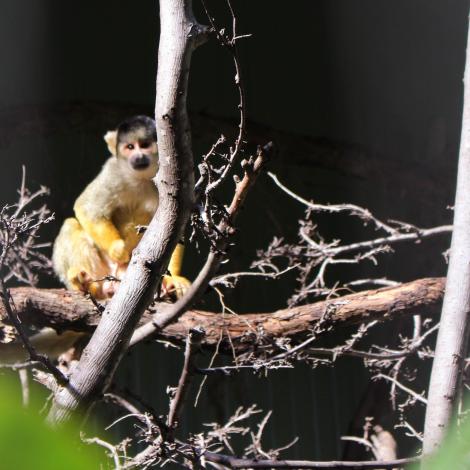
(99, 241)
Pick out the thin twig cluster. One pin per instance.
(220, 161)
(21, 255)
(312, 256)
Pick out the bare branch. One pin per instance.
(234, 462)
(230, 43)
(66, 310)
(407, 390)
(352, 209)
(193, 342)
(112, 449)
(313, 256)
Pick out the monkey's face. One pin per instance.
(140, 154)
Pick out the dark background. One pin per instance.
(362, 98)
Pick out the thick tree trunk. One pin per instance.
(180, 35)
(451, 344)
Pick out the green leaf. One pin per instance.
(27, 443)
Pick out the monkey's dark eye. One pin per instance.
(130, 146)
(145, 145)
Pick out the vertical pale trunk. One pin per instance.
(451, 345)
(180, 35)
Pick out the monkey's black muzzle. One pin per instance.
(139, 161)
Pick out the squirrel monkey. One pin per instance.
(97, 243)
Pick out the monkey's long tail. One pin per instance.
(47, 341)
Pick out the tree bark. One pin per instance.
(180, 35)
(446, 375)
(65, 311)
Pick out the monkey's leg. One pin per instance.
(77, 260)
(80, 279)
(175, 283)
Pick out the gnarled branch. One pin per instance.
(65, 310)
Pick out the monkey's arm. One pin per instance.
(94, 210)
(104, 234)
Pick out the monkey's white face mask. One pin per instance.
(141, 157)
(137, 152)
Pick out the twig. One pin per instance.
(359, 440)
(410, 392)
(193, 342)
(315, 256)
(122, 402)
(412, 431)
(377, 282)
(231, 45)
(112, 449)
(335, 208)
(390, 240)
(24, 380)
(229, 370)
(381, 356)
(197, 370)
(230, 279)
(20, 254)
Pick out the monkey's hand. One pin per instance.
(118, 252)
(175, 286)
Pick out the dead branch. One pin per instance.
(112, 449)
(65, 310)
(234, 462)
(193, 342)
(229, 41)
(416, 396)
(313, 256)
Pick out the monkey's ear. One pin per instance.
(111, 141)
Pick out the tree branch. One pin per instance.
(65, 310)
(180, 34)
(235, 462)
(195, 337)
(452, 339)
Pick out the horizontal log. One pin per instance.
(65, 310)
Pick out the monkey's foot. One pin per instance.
(80, 280)
(175, 286)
